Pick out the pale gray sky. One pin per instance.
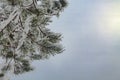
(92, 42)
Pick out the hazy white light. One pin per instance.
(109, 20)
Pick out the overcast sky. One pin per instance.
(92, 41)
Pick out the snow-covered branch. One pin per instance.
(24, 35)
(12, 16)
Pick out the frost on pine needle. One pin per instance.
(24, 36)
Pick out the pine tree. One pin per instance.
(24, 36)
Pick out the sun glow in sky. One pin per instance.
(109, 20)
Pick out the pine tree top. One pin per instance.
(24, 36)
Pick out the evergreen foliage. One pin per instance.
(24, 36)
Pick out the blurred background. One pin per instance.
(91, 36)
